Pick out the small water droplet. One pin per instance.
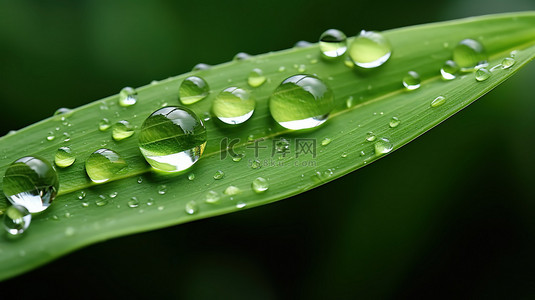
(140, 180)
(234, 105)
(343, 155)
(219, 175)
(81, 195)
(211, 197)
(191, 207)
(201, 66)
(438, 101)
(301, 68)
(69, 231)
(62, 111)
(241, 56)
(238, 157)
(232, 190)
(411, 81)
(370, 136)
(50, 136)
(17, 219)
(113, 194)
(66, 137)
(302, 44)
(394, 122)
(101, 200)
(103, 164)
(326, 141)
(333, 43)
(104, 124)
(282, 68)
(382, 146)
(370, 49)
(85, 204)
(150, 202)
(482, 74)
(350, 102)
(162, 189)
(193, 89)
(133, 202)
(127, 97)
(122, 130)
(449, 70)
(256, 78)
(67, 215)
(260, 185)
(64, 157)
(240, 204)
(191, 176)
(256, 164)
(508, 62)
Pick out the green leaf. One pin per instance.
(374, 98)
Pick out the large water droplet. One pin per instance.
(172, 139)
(411, 81)
(301, 102)
(193, 89)
(122, 130)
(469, 53)
(482, 74)
(103, 164)
(16, 220)
(64, 157)
(333, 43)
(31, 182)
(438, 101)
(370, 49)
(382, 146)
(127, 96)
(508, 62)
(260, 185)
(234, 105)
(449, 70)
(256, 78)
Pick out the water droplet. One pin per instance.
(191, 176)
(67, 215)
(238, 157)
(350, 102)
(256, 164)
(282, 68)
(150, 202)
(256, 78)
(241, 56)
(113, 194)
(219, 174)
(343, 155)
(201, 66)
(302, 44)
(234, 105)
(394, 122)
(101, 200)
(370, 49)
(133, 202)
(240, 204)
(508, 62)
(81, 195)
(193, 89)
(326, 141)
(103, 164)
(438, 101)
(232, 190)
(469, 53)
(260, 185)
(301, 68)
(191, 207)
(211, 197)
(333, 43)
(85, 204)
(382, 146)
(301, 102)
(104, 124)
(69, 231)
(62, 111)
(140, 180)
(172, 139)
(162, 189)
(449, 70)
(50, 136)
(122, 130)
(127, 97)
(370, 136)
(66, 137)
(16, 220)
(482, 74)
(411, 81)
(64, 157)
(31, 182)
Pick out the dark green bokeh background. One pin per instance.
(450, 214)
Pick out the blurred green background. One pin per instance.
(451, 214)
